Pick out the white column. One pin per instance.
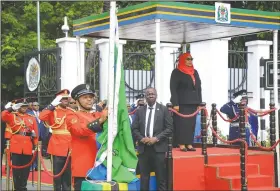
(211, 62)
(259, 49)
(275, 88)
(165, 68)
(103, 46)
(69, 62)
(157, 60)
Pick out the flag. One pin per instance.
(124, 155)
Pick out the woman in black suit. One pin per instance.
(185, 87)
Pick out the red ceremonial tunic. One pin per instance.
(84, 147)
(18, 124)
(60, 141)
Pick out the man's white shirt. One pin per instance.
(152, 119)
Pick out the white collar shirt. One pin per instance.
(152, 119)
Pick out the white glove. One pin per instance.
(16, 106)
(56, 101)
(237, 99)
(136, 102)
(8, 105)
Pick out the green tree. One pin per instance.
(19, 35)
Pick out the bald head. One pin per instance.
(151, 96)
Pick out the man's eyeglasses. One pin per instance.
(188, 59)
(72, 102)
(35, 105)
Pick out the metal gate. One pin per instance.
(139, 73)
(50, 70)
(92, 60)
(237, 68)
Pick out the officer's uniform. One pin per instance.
(3, 139)
(135, 105)
(60, 141)
(22, 131)
(82, 126)
(232, 110)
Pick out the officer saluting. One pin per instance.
(23, 130)
(60, 142)
(231, 109)
(82, 125)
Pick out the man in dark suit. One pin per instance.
(151, 128)
(42, 130)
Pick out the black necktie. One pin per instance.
(149, 121)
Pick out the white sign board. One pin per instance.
(222, 13)
(32, 74)
(269, 80)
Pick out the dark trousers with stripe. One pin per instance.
(63, 182)
(20, 176)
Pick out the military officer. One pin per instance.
(140, 101)
(83, 125)
(23, 133)
(231, 109)
(59, 145)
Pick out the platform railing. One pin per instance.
(273, 139)
(169, 157)
(204, 134)
(243, 119)
(214, 124)
(169, 164)
(242, 147)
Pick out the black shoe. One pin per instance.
(47, 157)
(191, 149)
(184, 150)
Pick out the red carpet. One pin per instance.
(222, 171)
(45, 178)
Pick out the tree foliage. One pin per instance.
(19, 34)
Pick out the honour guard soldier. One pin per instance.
(83, 125)
(23, 136)
(59, 145)
(140, 101)
(231, 109)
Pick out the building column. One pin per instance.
(103, 46)
(259, 49)
(70, 70)
(211, 62)
(165, 68)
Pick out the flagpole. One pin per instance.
(38, 27)
(111, 90)
(38, 42)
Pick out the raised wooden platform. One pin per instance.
(222, 171)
